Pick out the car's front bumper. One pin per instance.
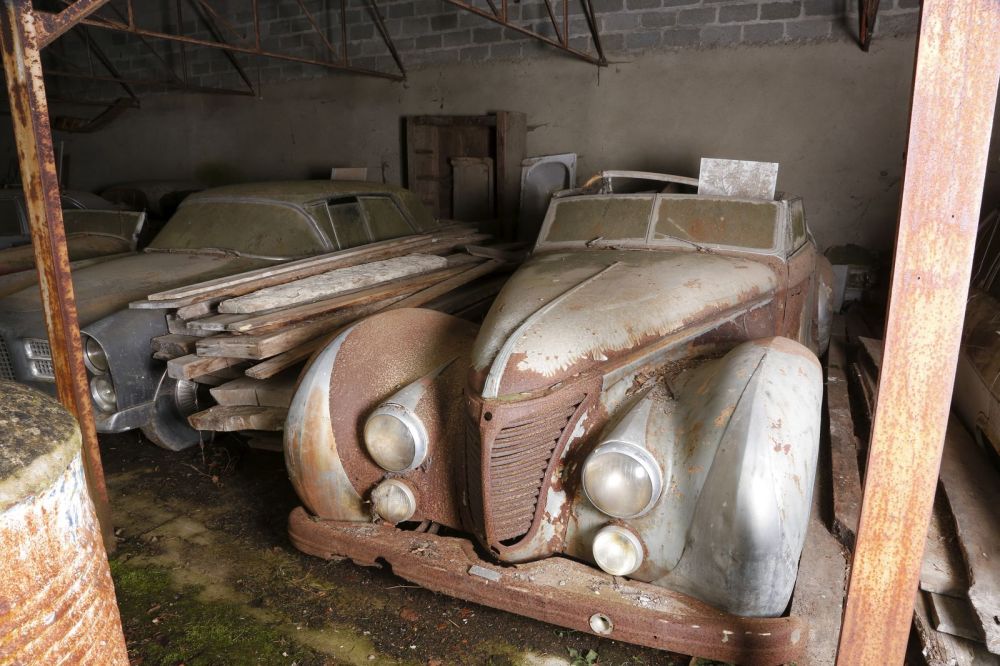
(129, 418)
(558, 590)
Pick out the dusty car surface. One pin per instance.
(644, 396)
(89, 234)
(215, 233)
(14, 214)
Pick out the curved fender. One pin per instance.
(736, 439)
(408, 355)
(314, 466)
(749, 524)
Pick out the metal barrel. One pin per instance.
(57, 601)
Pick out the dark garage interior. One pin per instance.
(528, 332)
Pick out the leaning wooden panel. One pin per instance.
(970, 481)
(954, 98)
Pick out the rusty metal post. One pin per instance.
(30, 118)
(954, 97)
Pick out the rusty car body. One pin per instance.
(215, 233)
(644, 397)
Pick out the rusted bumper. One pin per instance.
(558, 590)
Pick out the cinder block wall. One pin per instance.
(780, 81)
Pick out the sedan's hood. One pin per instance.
(107, 287)
(562, 313)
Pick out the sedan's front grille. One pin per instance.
(40, 358)
(38, 348)
(6, 367)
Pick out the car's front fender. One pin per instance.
(737, 440)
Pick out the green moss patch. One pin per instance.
(167, 625)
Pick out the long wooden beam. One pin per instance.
(954, 98)
(30, 117)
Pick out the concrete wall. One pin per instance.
(833, 117)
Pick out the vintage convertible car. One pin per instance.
(643, 396)
(215, 233)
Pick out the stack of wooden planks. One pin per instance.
(958, 601)
(247, 335)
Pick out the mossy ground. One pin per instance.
(205, 574)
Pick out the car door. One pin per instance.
(384, 218)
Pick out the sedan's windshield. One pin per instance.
(664, 218)
(249, 227)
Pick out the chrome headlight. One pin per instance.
(103, 393)
(396, 438)
(394, 501)
(622, 480)
(617, 550)
(93, 354)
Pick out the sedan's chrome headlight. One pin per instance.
(93, 354)
(622, 480)
(396, 438)
(103, 393)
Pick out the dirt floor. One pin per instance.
(205, 574)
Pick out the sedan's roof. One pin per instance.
(297, 191)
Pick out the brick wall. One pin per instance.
(430, 32)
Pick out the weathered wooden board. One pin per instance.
(951, 615)
(441, 288)
(274, 392)
(820, 586)
(244, 283)
(943, 571)
(266, 345)
(214, 323)
(178, 326)
(846, 490)
(332, 283)
(240, 417)
(938, 649)
(193, 366)
(173, 345)
(972, 486)
(401, 286)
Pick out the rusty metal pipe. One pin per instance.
(30, 117)
(49, 27)
(234, 48)
(954, 97)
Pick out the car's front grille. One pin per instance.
(6, 367)
(510, 449)
(40, 358)
(38, 348)
(519, 461)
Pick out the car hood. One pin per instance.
(109, 286)
(563, 313)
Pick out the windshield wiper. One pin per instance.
(697, 246)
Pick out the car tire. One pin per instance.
(175, 401)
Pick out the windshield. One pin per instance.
(699, 220)
(259, 228)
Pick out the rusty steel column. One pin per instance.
(30, 118)
(954, 98)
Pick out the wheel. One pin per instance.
(175, 400)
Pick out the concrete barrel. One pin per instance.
(57, 601)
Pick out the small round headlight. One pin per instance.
(103, 393)
(622, 480)
(395, 438)
(617, 550)
(394, 501)
(93, 354)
